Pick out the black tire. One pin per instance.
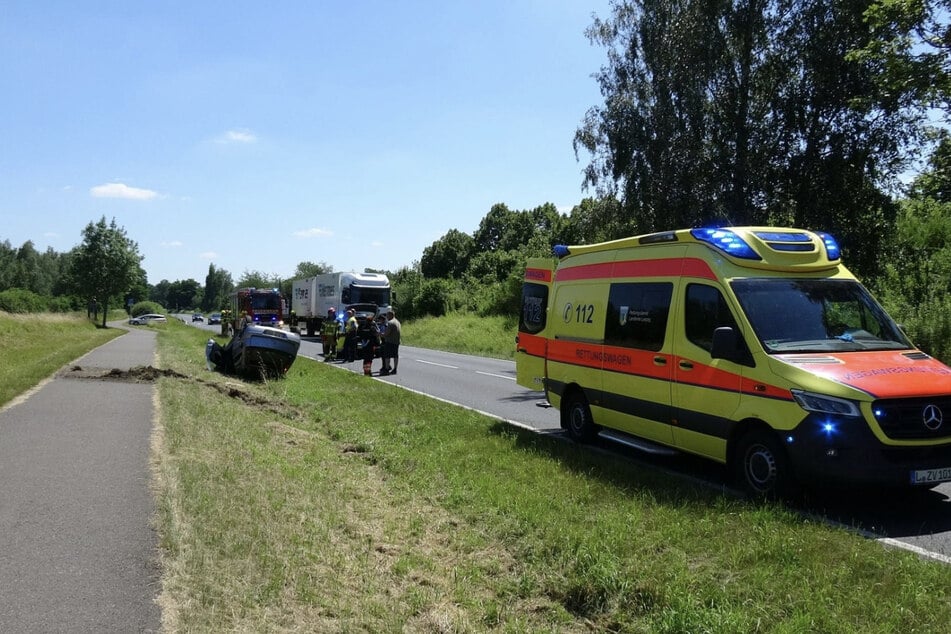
(763, 469)
(577, 419)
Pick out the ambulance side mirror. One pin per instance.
(727, 345)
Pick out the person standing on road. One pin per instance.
(369, 337)
(391, 344)
(329, 331)
(350, 337)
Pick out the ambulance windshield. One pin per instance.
(816, 315)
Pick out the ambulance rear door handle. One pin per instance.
(686, 365)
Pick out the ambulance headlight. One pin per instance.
(822, 404)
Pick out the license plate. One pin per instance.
(931, 476)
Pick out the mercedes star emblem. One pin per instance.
(932, 417)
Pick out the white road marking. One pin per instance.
(441, 365)
(498, 376)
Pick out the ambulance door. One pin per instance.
(706, 391)
(636, 369)
(531, 342)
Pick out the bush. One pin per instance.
(433, 297)
(64, 304)
(19, 300)
(145, 308)
(929, 326)
(504, 298)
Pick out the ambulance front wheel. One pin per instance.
(763, 468)
(576, 418)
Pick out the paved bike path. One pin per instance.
(77, 551)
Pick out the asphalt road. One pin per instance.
(919, 521)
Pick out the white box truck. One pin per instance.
(312, 297)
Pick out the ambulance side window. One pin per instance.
(637, 315)
(534, 304)
(705, 310)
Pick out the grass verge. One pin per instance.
(34, 346)
(327, 501)
(465, 334)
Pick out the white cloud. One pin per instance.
(314, 232)
(174, 244)
(237, 136)
(208, 255)
(119, 190)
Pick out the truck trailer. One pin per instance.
(313, 297)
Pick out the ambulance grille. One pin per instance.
(914, 418)
(778, 241)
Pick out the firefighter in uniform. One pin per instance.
(329, 333)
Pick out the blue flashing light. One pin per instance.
(829, 429)
(832, 246)
(789, 440)
(560, 250)
(726, 241)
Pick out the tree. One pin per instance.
(184, 294)
(257, 279)
(447, 257)
(310, 269)
(918, 267)
(935, 181)
(746, 112)
(7, 265)
(105, 266)
(599, 220)
(218, 287)
(910, 51)
(159, 292)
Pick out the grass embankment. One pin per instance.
(466, 334)
(328, 501)
(34, 346)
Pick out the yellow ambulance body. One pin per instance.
(751, 346)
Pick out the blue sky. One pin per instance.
(257, 135)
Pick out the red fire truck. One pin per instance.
(265, 306)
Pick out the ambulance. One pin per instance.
(751, 346)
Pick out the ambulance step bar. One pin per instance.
(637, 443)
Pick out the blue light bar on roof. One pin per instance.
(726, 241)
(560, 250)
(832, 246)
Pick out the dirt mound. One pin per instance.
(140, 374)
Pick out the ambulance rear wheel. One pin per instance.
(577, 420)
(763, 469)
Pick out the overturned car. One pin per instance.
(255, 352)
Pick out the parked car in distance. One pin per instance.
(143, 320)
(198, 317)
(214, 318)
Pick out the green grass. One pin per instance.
(466, 334)
(328, 501)
(34, 346)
